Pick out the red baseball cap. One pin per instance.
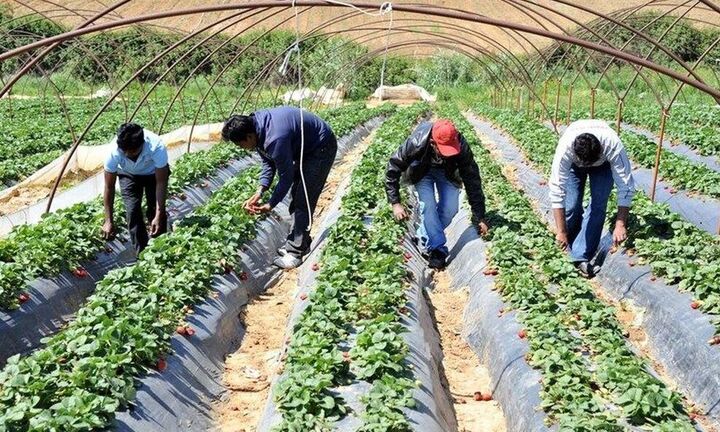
(446, 138)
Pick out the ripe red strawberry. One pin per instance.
(695, 304)
(490, 272)
(181, 330)
(486, 397)
(522, 334)
(303, 296)
(477, 396)
(23, 297)
(315, 267)
(653, 278)
(161, 365)
(189, 331)
(243, 276)
(80, 272)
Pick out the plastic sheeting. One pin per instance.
(493, 337)
(403, 92)
(677, 335)
(702, 211)
(181, 397)
(54, 301)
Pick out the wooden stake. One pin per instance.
(592, 103)
(663, 116)
(557, 104)
(619, 115)
(569, 113)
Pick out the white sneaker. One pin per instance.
(287, 262)
(282, 251)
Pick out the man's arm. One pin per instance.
(282, 156)
(622, 174)
(558, 178)
(108, 229)
(159, 223)
(470, 174)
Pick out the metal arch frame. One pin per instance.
(699, 84)
(696, 81)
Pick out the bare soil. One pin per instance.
(464, 371)
(250, 370)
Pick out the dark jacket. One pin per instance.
(278, 131)
(412, 162)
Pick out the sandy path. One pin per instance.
(464, 372)
(250, 370)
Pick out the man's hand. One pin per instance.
(483, 227)
(256, 209)
(562, 239)
(399, 212)
(251, 204)
(108, 230)
(158, 224)
(620, 233)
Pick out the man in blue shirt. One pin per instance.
(140, 161)
(276, 135)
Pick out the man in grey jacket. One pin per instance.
(589, 149)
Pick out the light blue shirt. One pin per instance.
(153, 156)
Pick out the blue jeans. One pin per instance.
(585, 228)
(436, 215)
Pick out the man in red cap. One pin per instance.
(436, 157)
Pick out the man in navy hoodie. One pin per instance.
(276, 135)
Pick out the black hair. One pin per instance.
(587, 148)
(130, 136)
(238, 127)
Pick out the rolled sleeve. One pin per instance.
(160, 157)
(559, 175)
(622, 174)
(112, 163)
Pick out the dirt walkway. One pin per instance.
(250, 370)
(465, 373)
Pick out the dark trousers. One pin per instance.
(132, 188)
(316, 167)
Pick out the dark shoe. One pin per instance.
(585, 269)
(437, 260)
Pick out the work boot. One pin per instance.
(287, 261)
(437, 260)
(585, 269)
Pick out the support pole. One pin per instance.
(592, 102)
(663, 117)
(569, 113)
(557, 104)
(544, 99)
(619, 115)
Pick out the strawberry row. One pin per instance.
(356, 289)
(675, 249)
(591, 379)
(87, 371)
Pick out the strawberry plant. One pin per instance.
(675, 249)
(355, 287)
(87, 371)
(591, 379)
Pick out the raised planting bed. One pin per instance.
(678, 335)
(183, 394)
